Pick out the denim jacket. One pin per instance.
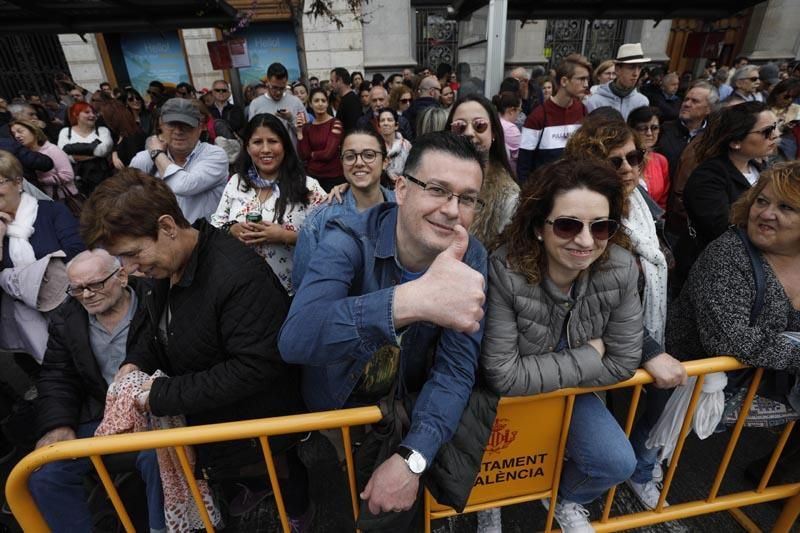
(342, 314)
(314, 228)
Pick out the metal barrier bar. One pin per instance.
(676, 455)
(701, 507)
(744, 520)
(273, 479)
(789, 515)
(188, 475)
(735, 434)
(637, 394)
(30, 518)
(776, 454)
(562, 450)
(113, 495)
(351, 470)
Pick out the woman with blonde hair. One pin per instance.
(603, 74)
(33, 138)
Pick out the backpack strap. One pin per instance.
(758, 275)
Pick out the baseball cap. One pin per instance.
(181, 110)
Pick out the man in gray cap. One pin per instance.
(621, 93)
(195, 171)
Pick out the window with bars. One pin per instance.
(437, 38)
(29, 63)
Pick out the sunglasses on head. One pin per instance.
(568, 228)
(634, 159)
(460, 126)
(767, 132)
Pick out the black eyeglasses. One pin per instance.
(460, 126)
(634, 159)
(766, 132)
(220, 90)
(96, 286)
(568, 228)
(467, 201)
(367, 156)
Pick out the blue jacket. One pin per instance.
(314, 228)
(341, 317)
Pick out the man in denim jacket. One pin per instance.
(388, 287)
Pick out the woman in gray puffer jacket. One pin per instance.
(564, 311)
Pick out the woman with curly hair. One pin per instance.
(475, 117)
(561, 269)
(615, 144)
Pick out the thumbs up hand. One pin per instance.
(450, 294)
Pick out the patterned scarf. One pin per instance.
(260, 183)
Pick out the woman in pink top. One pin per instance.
(647, 123)
(508, 106)
(33, 138)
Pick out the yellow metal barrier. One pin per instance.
(524, 460)
(27, 514)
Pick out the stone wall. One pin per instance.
(84, 60)
(201, 71)
(328, 46)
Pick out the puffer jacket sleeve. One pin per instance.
(624, 331)
(511, 373)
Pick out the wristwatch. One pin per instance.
(415, 461)
(154, 153)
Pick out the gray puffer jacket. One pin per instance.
(524, 324)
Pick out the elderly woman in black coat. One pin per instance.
(215, 312)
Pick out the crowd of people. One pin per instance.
(186, 259)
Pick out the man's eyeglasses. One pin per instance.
(753, 79)
(367, 156)
(568, 228)
(648, 127)
(220, 90)
(467, 201)
(634, 159)
(96, 286)
(460, 126)
(767, 132)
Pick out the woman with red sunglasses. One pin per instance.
(474, 117)
(563, 311)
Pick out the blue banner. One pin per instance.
(266, 44)
(153, 56)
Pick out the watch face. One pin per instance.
(416, 462)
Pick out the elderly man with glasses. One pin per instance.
(396, 296)
(225, 109)
(90, 334)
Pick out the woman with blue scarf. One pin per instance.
(266, 202)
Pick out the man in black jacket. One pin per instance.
(215, 311)
(350, 106)
(225, 110)
(90, 334)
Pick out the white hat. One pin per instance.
(631, 53)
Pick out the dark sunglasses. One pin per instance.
(460, 126)
(220, 90)
(132, 99)
(405, 100)
(766, 132)
(754, 78)
(568, 228)
(634, 159)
